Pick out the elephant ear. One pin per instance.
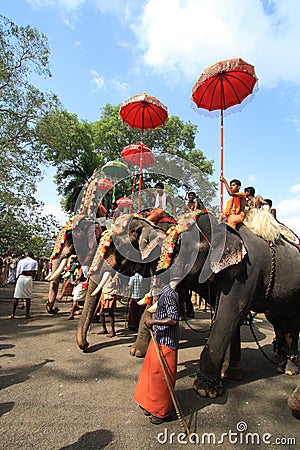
(228, 252)
(149, 240)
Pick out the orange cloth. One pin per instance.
(233, 212)
(108, 301)
(233, 205)
(151, 391)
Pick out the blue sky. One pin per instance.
(106, 51)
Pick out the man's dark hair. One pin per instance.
(251, 190)
(30, 254)
(236, 181)
(160, 185)
(269, 201)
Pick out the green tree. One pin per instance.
(24, 54)
(77, 148)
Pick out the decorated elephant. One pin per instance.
(79, 236)
(242, 271)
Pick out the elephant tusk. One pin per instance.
(53, 276)
(101, 284)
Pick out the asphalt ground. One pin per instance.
(53, 396)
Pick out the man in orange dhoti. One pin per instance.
(235, 208)
(152, 393)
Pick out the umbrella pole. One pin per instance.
(140, 184)
(221, 159)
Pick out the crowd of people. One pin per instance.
(8, 268)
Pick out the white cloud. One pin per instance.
(101, 84)
(295, 189)
(288, 211)
(66, 5)
(187, 36)
(98, 80)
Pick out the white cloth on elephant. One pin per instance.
(23, 287)
(79, 293)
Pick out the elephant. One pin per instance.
(240, 270)
(79, 236)
(294, 402)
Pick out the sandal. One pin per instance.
(158, 420)
(145, 411)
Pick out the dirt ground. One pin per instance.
(54, 396)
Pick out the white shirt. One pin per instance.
(26, 264)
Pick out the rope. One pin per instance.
(250, 322)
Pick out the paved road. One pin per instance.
(54, 396)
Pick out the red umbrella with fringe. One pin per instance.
(221, 86)
(143, 111)
(141, 156)
(125, 202)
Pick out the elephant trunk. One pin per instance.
(90, 304)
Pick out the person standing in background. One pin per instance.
(26, 270)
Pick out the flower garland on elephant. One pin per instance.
(185, 222)
(120, 226)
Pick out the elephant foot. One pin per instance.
(233, 373)
(292, 367)
(139, 349)
(294, 402)
(206, 388)
(50, 309)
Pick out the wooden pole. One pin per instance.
(177, 407)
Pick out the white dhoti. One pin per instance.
(23, 287)
(79, 293)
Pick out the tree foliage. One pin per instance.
(77, 148)
(24, 54)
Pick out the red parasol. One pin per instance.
(125, 202)
(144, 112)
(138, 155)
(225, 84)
(105, 185)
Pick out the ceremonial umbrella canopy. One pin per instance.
(145, 112)
(125, 202)
(221, 86)
(116, 170)
(138, 155)
(104, 185)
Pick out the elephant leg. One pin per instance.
(286, 343)
(208, 379)
(139, 348)
(232, 368)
